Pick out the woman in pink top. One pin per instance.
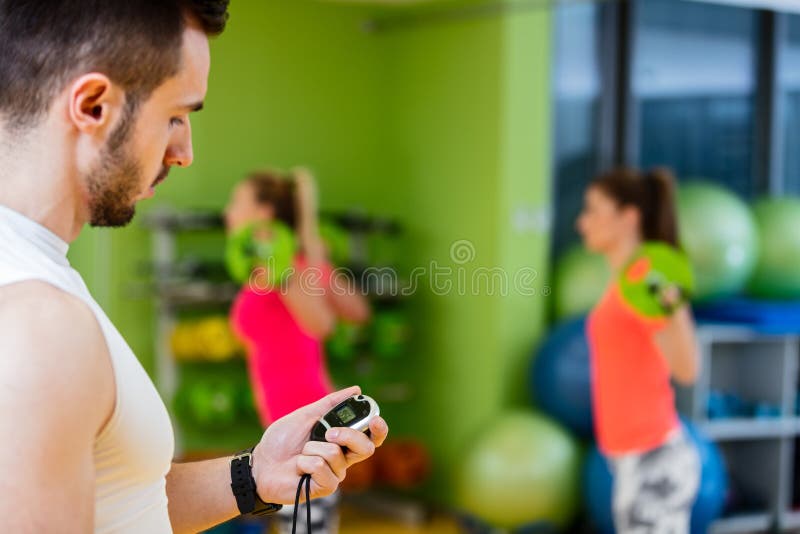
(656, 469)
(283, 329)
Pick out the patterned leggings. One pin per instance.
(654, 491)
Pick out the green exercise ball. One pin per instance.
(580, 279)
(777, 274)
(719, 234)
(522, 469)
(268, 245)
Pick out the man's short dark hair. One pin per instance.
(136, 43)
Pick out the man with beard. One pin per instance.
(95, 99)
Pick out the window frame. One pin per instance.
(619, 113)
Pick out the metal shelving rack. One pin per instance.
(759, 452)
(173, 293)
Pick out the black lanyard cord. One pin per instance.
(304, 480)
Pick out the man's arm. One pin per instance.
(56, 393)
(200, 494)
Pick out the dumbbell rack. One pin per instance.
(174, 291)
(759, 452)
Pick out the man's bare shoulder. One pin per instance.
(37, 310)
(56, 395)
(37, 296)
(50, 341)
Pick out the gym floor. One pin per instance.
(356, 522)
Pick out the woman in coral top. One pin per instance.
(283, 329)
(633, 359)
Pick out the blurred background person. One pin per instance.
(656, 468)
(284, 327)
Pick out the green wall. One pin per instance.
(443, 124)
(468, 135)
(525, 198)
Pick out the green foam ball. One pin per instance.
(524, 468)
(580, 279)
(719, 234)
(777, 274)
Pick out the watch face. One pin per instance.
(348, 412)
(354, 412)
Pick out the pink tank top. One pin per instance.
(286, 364)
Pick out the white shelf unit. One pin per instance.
(759, 452)
(742, 524)
(174, 293)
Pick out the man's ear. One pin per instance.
(94, 104)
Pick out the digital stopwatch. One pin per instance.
(355, 412)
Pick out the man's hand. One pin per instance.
(285, 452)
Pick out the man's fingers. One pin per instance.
(326, 404)
(378, 430)
(331, 453)
(359, 446)
(325, 481)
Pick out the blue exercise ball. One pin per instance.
(711, 494)
(560, 378)
(713, 491)
(597, 488)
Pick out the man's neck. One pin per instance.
(35, 182)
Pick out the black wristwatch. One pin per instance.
(244, 486)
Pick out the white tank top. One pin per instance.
(133, 452)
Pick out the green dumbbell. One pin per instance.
(270, 246)
(657, 281)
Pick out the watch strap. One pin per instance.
(243, 486)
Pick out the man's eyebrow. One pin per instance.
(197, 106)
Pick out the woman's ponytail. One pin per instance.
(659, 221)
